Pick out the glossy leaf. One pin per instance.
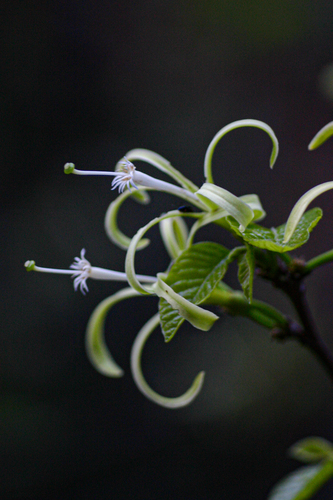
(272, 239)
(303, 483)
(194, 275)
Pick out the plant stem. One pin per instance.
(321, 259)
(309, 337)
(235, 303)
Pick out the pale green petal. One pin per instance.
(250, 199)
(162, 164)
(255, 204)
(321, 136)
(232, 126)
(174, 234)
(97, 351)
(207, 218)
(198, 317)
(172, 403)
(130, 256)
(110, 220)
(229, 202)
(301, 206)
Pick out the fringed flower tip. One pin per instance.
(124, 176)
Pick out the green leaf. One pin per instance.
(272, 239)
(303, 483)
(194, 275)
(246, 264)
(312, 449)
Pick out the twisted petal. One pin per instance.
(97, 351)
(174, 234)
(140, 381)
(198, 317)
(229, 202)
(110, 221)
(130, 256)
(241, 123)
(301, 206)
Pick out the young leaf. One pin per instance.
(246, 271)
(303, 483)
(194, 275)
(312, 449)
(272, 239)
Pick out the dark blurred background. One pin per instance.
(86, 81)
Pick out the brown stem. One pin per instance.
(290, 279)
(309, 336)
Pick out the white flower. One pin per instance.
(81, 270)
(128, 176)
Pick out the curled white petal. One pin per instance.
(198, 317)
(174, 234)
(240, 123)
(229, 202)
(324, 133)
(300, 207)
(130, 256)
(110, 220)
(136, 354)
(250, 199)
(96, 348)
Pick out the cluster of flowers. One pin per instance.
(213, 204)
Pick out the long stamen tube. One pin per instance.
(81, 270)
(128, 176)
